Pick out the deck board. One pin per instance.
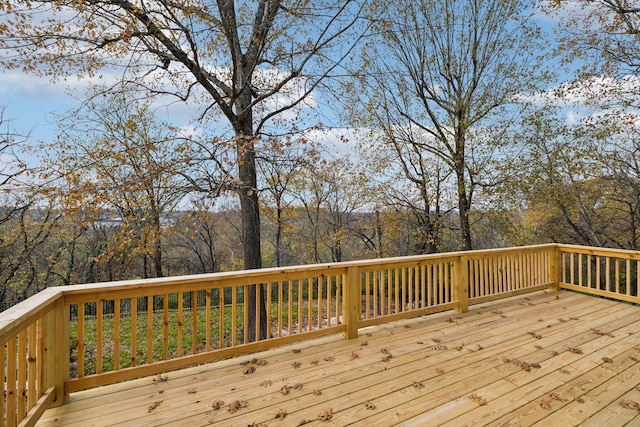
(547, 358)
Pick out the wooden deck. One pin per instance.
(549, 359)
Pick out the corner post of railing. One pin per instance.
(56, 350)
(461, 284)
(554, 268)
(352, 302)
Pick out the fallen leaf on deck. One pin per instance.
(326, 415)
(479, 400)
(154, 406)
(559, 397)
(544, 405)
(237, 405)
(160, 379)
(630, 404)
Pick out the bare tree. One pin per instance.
(116, 157)
(247, 61)
(604, 34)
(442, 70)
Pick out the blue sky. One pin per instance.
(30, 101)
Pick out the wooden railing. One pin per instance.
(604, 272)
(76, 337)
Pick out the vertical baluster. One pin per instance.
(149, 328)
(32, 395)
(11, 382)
(397, 282)
(116, 334)
(194, 322)
(580, 283)
(134, 330)
(245, 312)
(509, 273)
(447, 280)
(269, 297)
(441, 283)
(493, 276)
(617, 275)
(377, 293)
(628, 277)
(165, 326)
(222, 327)
(234, 314)
(390, 280)
(521, 271)
(22, 375)
(319, 302)
(39, 358)
(486, 277)
(257, 313)
(280, 298)
(475, 265)
(99, 336)
(80, 340)
(572, 268)
(339, 283)
(310, 304)
(608, 273)
(429, 274)
(423, 286)
(402, 273)
(299, 287)
(367, 293)
(207, 320)
(329, 299)
(3, 382)
(180, 320)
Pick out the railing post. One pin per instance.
(461, 284)
(56, 350)
(554, 268)
(352, 302)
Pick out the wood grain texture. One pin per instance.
(545, 358)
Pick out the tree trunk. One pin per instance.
(250, 213)
(463, 200)
(157, 242)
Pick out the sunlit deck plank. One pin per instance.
(460, 369)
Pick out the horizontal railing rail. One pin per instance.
(76, 337)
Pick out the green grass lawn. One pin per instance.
(169, 350)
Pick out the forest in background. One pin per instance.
(453, 135)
